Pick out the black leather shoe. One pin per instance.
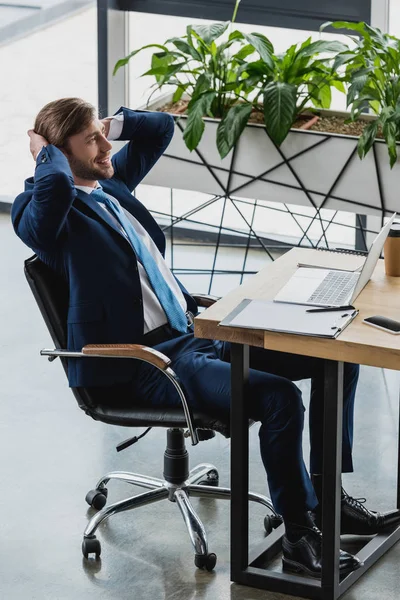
(304, 555)
(358, 520)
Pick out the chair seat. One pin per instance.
(158, 417)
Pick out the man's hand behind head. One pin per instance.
(106, 122)
(36, 143)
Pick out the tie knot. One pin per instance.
(100, 195)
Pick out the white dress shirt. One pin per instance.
(154, 315)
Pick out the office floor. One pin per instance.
(52, 454)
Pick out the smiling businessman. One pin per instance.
(79, 215)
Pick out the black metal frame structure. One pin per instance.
(275, 13)
(247, 235)
(248, 568)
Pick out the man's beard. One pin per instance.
(83, 171)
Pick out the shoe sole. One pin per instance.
(369, 534)
(291, 566)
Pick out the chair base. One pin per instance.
(201, 482)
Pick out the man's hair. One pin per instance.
(60, 119)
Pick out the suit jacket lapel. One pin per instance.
(133, 206)
(100, 212)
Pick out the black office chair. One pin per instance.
(51, 294)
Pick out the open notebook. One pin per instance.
(288, 318)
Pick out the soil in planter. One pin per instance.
(334, 124)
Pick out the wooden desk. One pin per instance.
(358, 344)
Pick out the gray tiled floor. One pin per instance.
(51, 454)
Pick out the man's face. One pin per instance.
(88, 154)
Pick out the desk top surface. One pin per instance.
(358, 343)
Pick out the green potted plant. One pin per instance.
(236, 77)
(373, 79)
(237, 107)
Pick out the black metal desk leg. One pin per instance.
(239, 460)
(332, 467)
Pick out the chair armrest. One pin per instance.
(205, 300)
(138, 351)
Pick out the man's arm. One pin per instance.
(149, 134)
(39, 215)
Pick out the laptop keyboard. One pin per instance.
(334, 290)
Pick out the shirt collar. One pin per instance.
(87, 189)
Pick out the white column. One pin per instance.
(113, 40)
(380, 14)
(118, 40)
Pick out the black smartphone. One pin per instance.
(384, 323)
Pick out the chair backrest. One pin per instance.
(51, 294)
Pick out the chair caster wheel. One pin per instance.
(97, 498)
(271, 522)
(212, 478)
(276, 521)
(91, 545)
(205, 561)
(268, 524)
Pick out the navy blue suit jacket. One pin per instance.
(72, 234)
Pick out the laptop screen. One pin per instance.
(372, 258)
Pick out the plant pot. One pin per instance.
(310, 168)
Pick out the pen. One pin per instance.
(332, 308)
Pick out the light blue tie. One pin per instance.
(169, 302)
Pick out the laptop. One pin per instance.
(331, 287)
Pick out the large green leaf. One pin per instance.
(359, 106)
(367, 138)
(211, 32)
(320, 94)
(279, 109)
(203, 84)
(388, 113)
(267, 42)
(184, 47)
(350, 25)
(342, 59)
(247, 84)
(231, 127)
(321, 47)
(263, 48)
(244, 52)
(285, 60)
(124, 61)
(235, 35)
(165, 71)
(339, 85)
(161, 60)
(391, 133)
(195, 125)
(378, 38)
(258, 67)
(359, 81)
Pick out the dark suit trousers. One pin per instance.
(273, 400)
